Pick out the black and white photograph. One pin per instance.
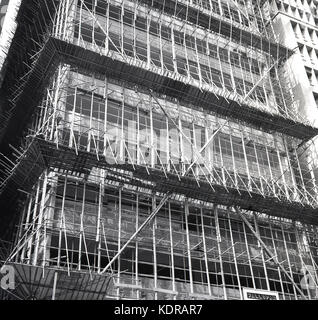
(159, 150)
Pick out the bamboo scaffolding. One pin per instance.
(82, 216)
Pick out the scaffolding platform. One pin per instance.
(216, 23)
(50, 51)
(243, 214)
(56, 51)
(78, 162)
(185, 93)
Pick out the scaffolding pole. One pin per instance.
(270, 254)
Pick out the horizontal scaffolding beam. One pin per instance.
(82, 162)
(57, 51)
(216, 23)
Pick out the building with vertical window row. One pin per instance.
(160, 150)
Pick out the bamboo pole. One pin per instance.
(234, 257)
(262, 252)
(217, 226)
(276, 254)
(155, 266)
(186, 214)
(268, 251)
(172, 252)
(249, 256)
(205, 252)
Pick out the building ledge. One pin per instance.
(216, 24)
(45, 154)
(56, 51)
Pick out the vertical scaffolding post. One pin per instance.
(209, 149)
(27, 225)
(155, 265)
(66, 18)
(172, 252)
(276, 254)
(90, 133)
(137, 247)
(55, 102)
(72, 136)
(291, 170)
(105, 115)
(186, 215)
(205, 252)
(245, 158)
(288, 259)
(119, 241)
(249, 256)
(122, 133)
(258, 168)
(81, 232)
(262, 251)
(270, 171)
(234, 257)
(80, 23)
(40, 219)
(281, 169)
(99, 217)
(233, 159)
(18, 235)
(54, 285)
(218, 235)
(222, 163)
(61, 223)
(153, 141)
(34, 218)
(301, 176)
(58, 20)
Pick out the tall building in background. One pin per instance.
(159, 150)
(297, 24)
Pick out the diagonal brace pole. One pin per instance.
(150, 217)
(266, 72)
(273, 257)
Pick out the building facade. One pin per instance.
(297, 23)
(156, 150)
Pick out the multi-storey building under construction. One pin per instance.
(155, 150)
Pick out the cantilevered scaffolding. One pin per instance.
(165, 156)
